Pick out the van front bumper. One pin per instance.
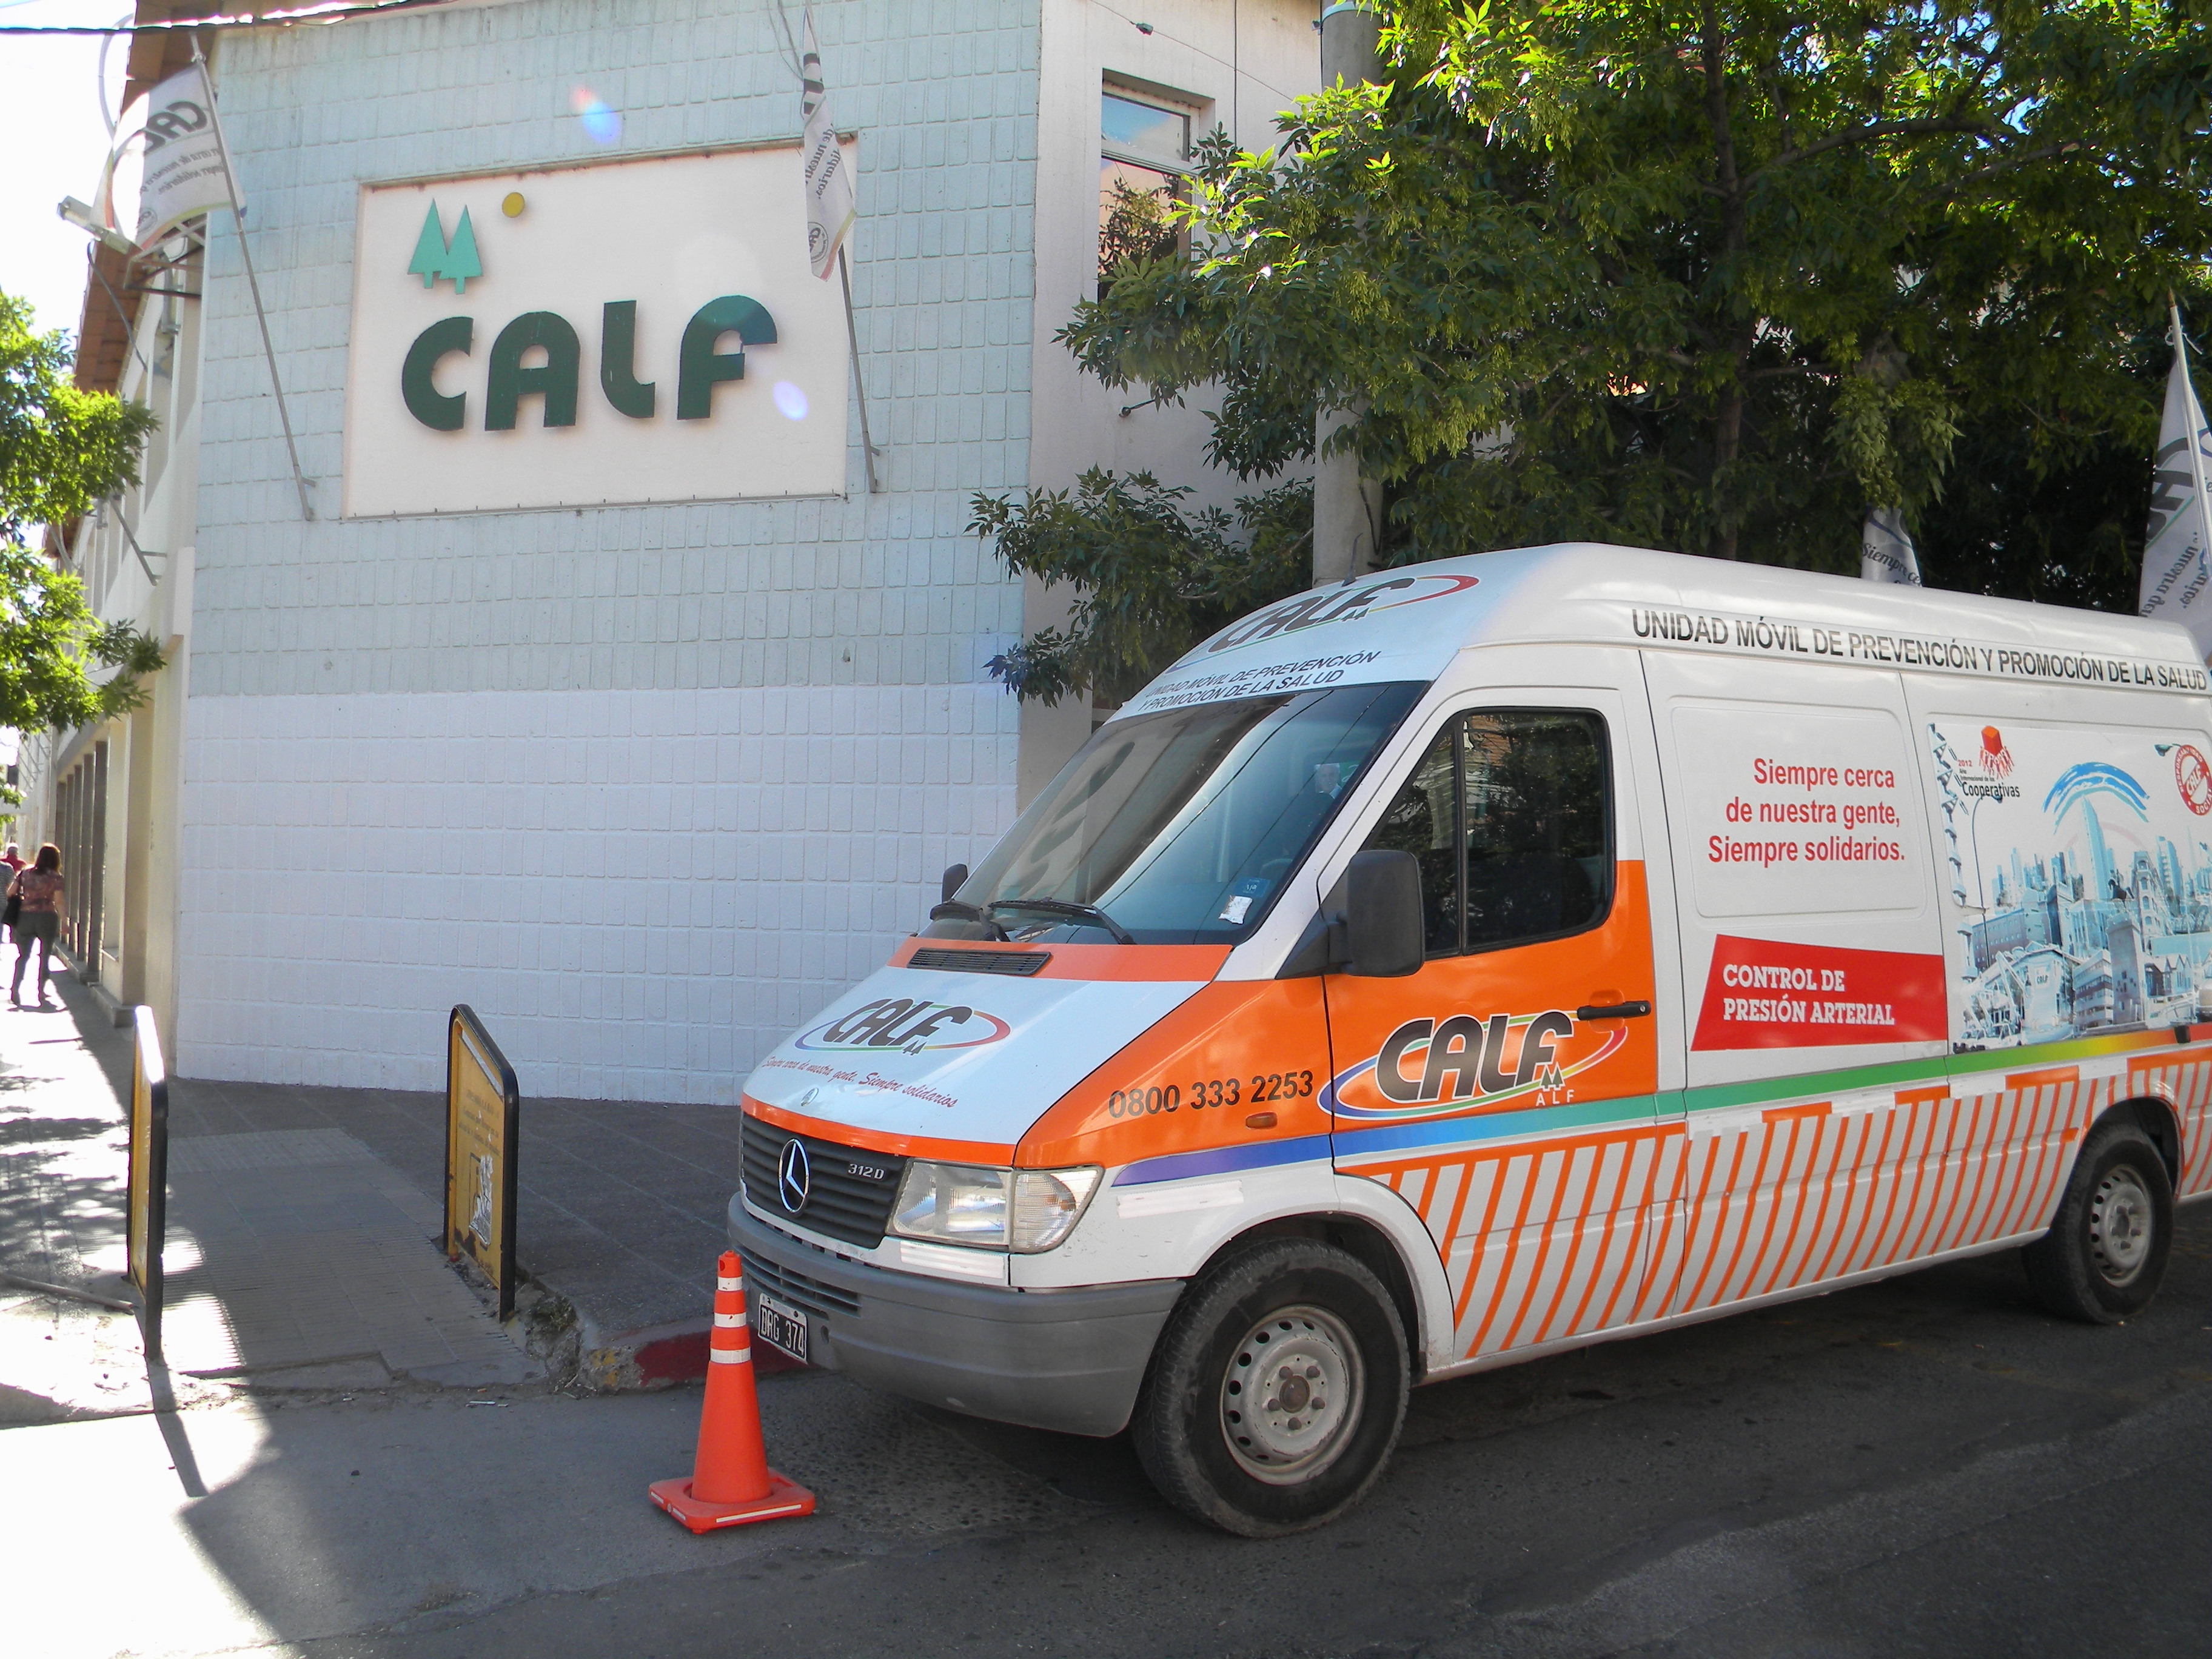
(1069, 1360)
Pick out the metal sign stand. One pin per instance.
(483, 1124)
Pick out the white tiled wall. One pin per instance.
(670, 776)
(640, 891)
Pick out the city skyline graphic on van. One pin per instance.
(2078, 871)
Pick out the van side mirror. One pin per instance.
(1383, 935)
(955, 879)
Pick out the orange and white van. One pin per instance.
(1484, 957)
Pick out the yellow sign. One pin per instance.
(482, 1119)
(147, 1221)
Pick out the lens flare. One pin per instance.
(790, 401)
(602, 124)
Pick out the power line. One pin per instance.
(337, 11)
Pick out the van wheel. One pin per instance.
(1277, 1390)
(2106, 1252)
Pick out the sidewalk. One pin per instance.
(296, 1256)
(620, 1212)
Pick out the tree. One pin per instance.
(1713, 275)
(62, 450)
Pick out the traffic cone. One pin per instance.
(731, 1482)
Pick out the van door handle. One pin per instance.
(1612, 1010)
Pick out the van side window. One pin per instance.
(1510, 815)
(1423, 820)
(1539, 823)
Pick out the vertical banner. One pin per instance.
(187, 170)
(150, 1173)
(484, 1121)
(829, 204)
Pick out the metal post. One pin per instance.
(253, 286)
(859, 390)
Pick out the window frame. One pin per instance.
(1178, 172)
(1190, 112)
(1455, 723)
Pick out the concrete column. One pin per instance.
(1347, 528)
(136, 774)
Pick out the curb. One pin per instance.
(665, 1356)
(577, 1353)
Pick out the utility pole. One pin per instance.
(1347, 529)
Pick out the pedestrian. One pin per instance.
(13, 858)
(40, 891)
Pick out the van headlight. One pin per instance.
(1022, 1210)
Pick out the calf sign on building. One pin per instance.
(630, 330)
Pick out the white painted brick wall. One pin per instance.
(640, 891)
(645, 785)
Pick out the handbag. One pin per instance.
(14, 909)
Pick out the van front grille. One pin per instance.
(796, 1288)
(849, 1190)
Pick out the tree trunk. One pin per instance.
(1728, 417)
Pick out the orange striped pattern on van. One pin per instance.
(1543, 1241)
(1772, 1206)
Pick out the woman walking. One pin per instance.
(40, 890)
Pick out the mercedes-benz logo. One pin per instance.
(793, 1176)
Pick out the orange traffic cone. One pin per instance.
(731, 1482)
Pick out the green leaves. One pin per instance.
(1149, 580)
(61, 450)
(1715, 276)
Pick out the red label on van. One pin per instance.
(1763, 993)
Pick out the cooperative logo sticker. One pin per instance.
(2192, 776)
(1467, 1063)
(904, 1025)
(1333, 604)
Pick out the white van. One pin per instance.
(1487, 958)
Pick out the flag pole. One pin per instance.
(2195, 451)
(253, 286)
(859, 389)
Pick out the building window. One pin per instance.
(1144, 155)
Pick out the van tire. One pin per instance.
(1327, 1310)
(2106, 1252)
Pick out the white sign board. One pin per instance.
(613, 332)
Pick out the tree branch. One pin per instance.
(2006, 163)
(1873, 130)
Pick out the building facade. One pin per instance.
(644, 731)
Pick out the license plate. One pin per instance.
(781, 1326)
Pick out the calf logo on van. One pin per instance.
(1468, 1062)
(1333, 604)
(910, 1025)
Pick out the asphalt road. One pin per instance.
(1926, 1466)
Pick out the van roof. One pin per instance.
(1409, 622)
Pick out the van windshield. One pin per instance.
(1181, 827)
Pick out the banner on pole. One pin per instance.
(829, 202)
(1885, 552)
(2177, 570)
(187, 172)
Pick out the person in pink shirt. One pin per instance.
(38, 922)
